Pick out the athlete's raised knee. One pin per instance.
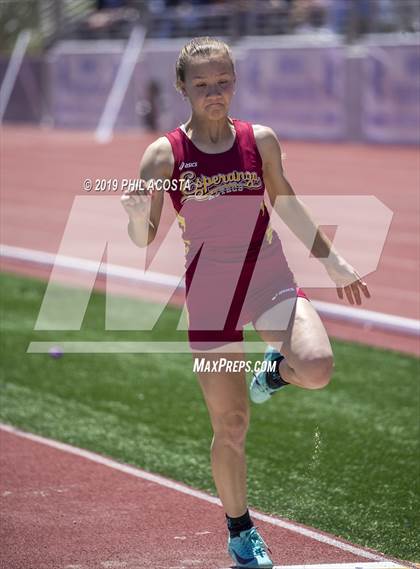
(316, 372)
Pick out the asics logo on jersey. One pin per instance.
(188, 165)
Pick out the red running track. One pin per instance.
(63, 510)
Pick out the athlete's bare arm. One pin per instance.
(295, 214)
(144, 207)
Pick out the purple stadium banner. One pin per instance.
(302, 92)
(28, 101)
(390, 94)
(299, 92)
(80, 82)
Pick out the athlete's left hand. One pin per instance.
(348, 280)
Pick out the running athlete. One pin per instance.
(236, 271)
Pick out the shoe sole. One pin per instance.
(239, 566)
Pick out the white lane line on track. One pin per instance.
(369, 565)
(358, 316)
(178, 487)
(88, 266)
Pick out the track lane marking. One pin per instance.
(369, 565)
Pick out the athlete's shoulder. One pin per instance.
(264, 134)
(160, 149)
(159, 156)
(267, 142)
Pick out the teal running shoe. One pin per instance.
(259, 390)
(249, 550)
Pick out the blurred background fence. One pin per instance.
(313, 69)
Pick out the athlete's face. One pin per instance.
(209, 85)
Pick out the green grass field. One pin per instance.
(343, 459)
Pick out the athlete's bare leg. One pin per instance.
(308, 354)
(226, 397)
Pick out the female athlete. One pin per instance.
(236, 270)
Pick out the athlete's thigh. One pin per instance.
(225, 392)
(305, 337)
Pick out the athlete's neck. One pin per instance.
(210, 133)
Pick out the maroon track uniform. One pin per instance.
(235, 265)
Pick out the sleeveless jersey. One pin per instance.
(235, 266)
(219, 199)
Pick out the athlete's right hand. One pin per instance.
(137, 202)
